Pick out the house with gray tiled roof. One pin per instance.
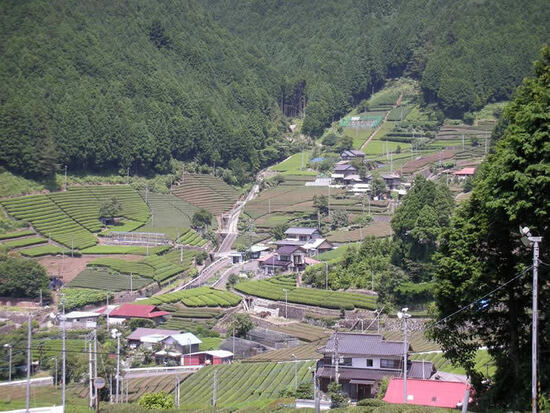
(363, 361)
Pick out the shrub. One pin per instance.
(371, 403)
(154, 401)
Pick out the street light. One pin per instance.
(116, 334)
(404, 315)
(528, 240)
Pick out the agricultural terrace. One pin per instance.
(139, 386)
(180, 311)
(240, 385)
(295, 165)
(101, 279)
(206, 191)
(483, 362)
(273, 289)
(158, 267)
(71, 217)
(305, 332)
(302, 352)
(17, 234)
(191, 237)
(42, 250)
(23, 242)
(124, 249)
(416, 339)
(170, 214)
(197, 297)
(80, 297)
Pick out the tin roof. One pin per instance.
(364, 344)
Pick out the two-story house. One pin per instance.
(286, 258)
(363, 361)
(302, 234)
(342, 171)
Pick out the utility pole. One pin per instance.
(90, 373)
(41, 297)
(117, 366)
(181, 254)
(215, 389)
(336, 358)
(29, 363)
(326, 275)
(177, 392)
(131, 284)
(295, 372)
(65, 177)
(233, 341)
(8, 346)
(63, 354)
(107, 310)
(286, 302)
(55, 377)
(96, 398)
(404, 315)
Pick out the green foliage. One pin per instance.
(383, 387)
(482, 250)
(79, 297)
(110, 208)
(202, 218)
(337, 397)
(378, 186)
(320, 202)
(197, 297)
(156, 401)
(278, 231)
(339, 219)
(20, 277)
(241, 324)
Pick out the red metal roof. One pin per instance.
(465, 171)
(426, 392)
(137, 311)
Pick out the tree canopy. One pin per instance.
(21, 277)
(481, 252)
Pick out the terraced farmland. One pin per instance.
(48, 219)
(305, 332)
(417, 340)
(23, 242)
(124, 249)
(242, 384)
(483, 362)
(198, 297)
(101, 279)
(192, 237)
(45, 250)
(18, 234)
(71, 217)
(302, 352)
(273, 289)
(206, 191)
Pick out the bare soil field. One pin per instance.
(68, 268)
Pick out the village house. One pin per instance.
(363, 361)
(143, 336)
(464, 173)
(351, 154)
(302, 234)
(317, 246)
(286, 258)
(174, 346)
(205, 358)
(81, 319)
(343, 170)
(392, 180)
(129, 311)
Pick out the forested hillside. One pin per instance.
(334, 52)
(111, 85)
(114, 85)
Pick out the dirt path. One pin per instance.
(373, 134)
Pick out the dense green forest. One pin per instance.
(102, 85)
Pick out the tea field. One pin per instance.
(197, 297)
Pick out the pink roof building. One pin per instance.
(465, 172)
(137, 311)
(434, 393)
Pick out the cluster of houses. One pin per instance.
(360, 362)
(168, 346)
(294, 252)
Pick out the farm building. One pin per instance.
(139, 335)
(435, 393)
(465, 173)
(363, 361)
(256, 251)
(175, 346)
(129, 311)
(352, 154)
(205, 358)
(317, 246)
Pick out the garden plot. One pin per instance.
(242, 385)
(273, 289)
(206, 191)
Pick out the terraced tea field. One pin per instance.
(304, 332)
(483, 361)
(101, 279)
(197, 297)
(206, 191)
(273, 289)
(124, 249)
(17, 234)
(302, 352)
(23, 242)
(242, 384)
(71, 217)
(191, 237)
(44, 250)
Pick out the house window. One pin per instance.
(284, 258)
(389, 364)
(369, 362)
(345, 361)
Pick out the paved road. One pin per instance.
(206, 273)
